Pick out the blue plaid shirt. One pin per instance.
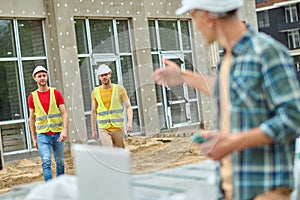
(265, 93)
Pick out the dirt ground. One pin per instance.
(148, 154)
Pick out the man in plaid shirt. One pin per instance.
(258, 100)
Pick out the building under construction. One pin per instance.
(71, 37)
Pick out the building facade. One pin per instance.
(281, 20)
(71, 37)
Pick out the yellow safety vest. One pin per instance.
(47, 122)
(112, 116)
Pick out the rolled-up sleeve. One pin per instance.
(283, 96)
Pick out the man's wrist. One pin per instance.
(238, 142)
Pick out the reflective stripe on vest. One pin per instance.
(47, 122)
(114, 116)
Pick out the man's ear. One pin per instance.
(209, 19)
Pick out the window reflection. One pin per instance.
(102, 36)
(7, 43)
(10, 98)
(31, 38)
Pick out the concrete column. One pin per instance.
(143, 69)
(64, 66)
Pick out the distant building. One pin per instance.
(281, 20)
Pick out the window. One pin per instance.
(263, 19)
(177, 106)
(106, 41)
(291, 14)
(16, 66)
(293, 39)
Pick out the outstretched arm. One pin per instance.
(172, 75)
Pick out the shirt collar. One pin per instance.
(243, 44)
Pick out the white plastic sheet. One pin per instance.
(63, 187)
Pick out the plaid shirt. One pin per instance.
(265, 93)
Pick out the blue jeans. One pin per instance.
(47, 143)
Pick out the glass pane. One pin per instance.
(175, 93)
(162, 117)
(123, 36)
(81, 39)
(88, 127)
(114, 76)
(31, 38)
(10, 96)
(102, 36)
(188, 63)
(294, 15)
(13, 137)
(128, 78)
(153, 39)
(194, 112)
(186, 44)
(178, 113)
(135, 121)
(28, 67)
(86, 82)
(7, 42)
(158, 88)
(168, 33)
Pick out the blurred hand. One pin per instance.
(34, 142)
(169, 75)
(95, 135)
(217, 145)
(63, 136)
(128, 127)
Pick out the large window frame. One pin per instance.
(291, 13)
(293, 39)
(27, 39)
(177, 106)
(263, 19)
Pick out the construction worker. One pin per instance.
(48, 122)
(107, 109)
(258, 102)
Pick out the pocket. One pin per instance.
(246, 91)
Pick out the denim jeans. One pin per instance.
(47, 143)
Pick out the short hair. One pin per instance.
(223, 14)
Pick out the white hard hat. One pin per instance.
(102, 69)
(39, 69)
(217, 6)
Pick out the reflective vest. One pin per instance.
(47, 122)
(114, 116)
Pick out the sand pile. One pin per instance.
(148, 154)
